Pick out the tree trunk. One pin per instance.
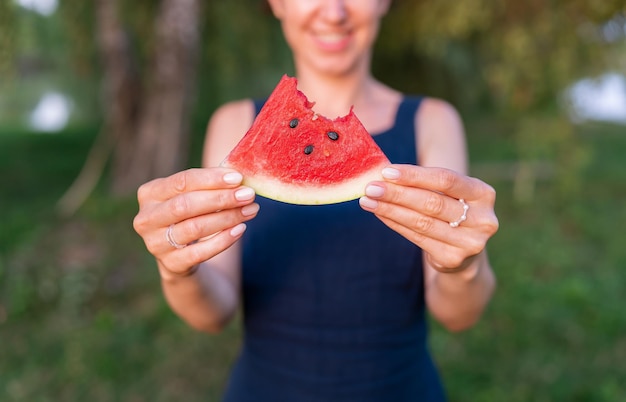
(160, 146)
(121, 92)
(147, 130)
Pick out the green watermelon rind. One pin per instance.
(290, 193)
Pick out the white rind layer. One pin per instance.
(274, 189)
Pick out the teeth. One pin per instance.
(331, 37)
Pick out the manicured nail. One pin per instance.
(233, 178)
(374, 191)
(238, 230)
(391, 173)
(368, 203)
(250, 209)
(244, 194)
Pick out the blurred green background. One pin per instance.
(541, 88)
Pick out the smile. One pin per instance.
(332, 41)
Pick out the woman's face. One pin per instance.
(330, 36)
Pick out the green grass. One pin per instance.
(82, 316)
(555, 328)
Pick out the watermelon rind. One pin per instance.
(277, 190)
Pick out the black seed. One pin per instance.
(308, 149)
(294, 123)
(333, 135)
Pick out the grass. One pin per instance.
(82, 316)
(554, 330)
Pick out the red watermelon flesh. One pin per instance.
(291, 154)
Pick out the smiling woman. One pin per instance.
(335, 297)
(331, 38)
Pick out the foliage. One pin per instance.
(515, 55)
(246, 58)
(7, 37)
(512, 58)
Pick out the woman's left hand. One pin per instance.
(423, 204)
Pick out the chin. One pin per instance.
(336, 65)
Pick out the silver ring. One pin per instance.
(463, 217)
(170, 238)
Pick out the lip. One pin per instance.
(331, 41)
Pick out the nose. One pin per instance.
(335, 10)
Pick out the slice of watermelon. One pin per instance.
(291, 154)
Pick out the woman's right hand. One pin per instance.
(191, 216)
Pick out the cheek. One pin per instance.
(291, 33)
(368, 33)
(371, 7)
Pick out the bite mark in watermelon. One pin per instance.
(291, 154)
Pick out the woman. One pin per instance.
(334, 297)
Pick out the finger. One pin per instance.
(426, 231)
(442, 180)
(201, 251)
(200, 228)
(426, 202)
(444, 254)
(187, 181)
(416, 226)
(197, 203)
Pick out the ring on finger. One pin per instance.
(463, 217)
(170, 238)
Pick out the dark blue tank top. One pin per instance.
(333, 301)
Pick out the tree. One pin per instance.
(513, 59)
(160, 146)
(148, 53)
(146, 106)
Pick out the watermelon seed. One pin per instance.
(294, 123)
(333, 135)
(308, 149)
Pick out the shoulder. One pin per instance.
(441, 135)
(232, 115)
(226, 126)
(437, 114)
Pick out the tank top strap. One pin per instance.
(405, 116)
(399, 142)
(258, 104)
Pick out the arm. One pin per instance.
(208, 208)
(457, 300)
(420, 201)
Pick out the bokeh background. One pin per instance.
(98, 97)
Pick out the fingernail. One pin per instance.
(391, 173)
(374, 191)
(250, 209)
(238, 230)
(233, 178)
(244, 194)
(368, 203)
